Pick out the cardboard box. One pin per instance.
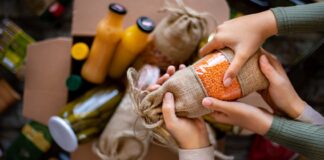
(48, 66)
(48, 62)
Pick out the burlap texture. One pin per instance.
(177, 36)
(186, 88)
(125, 137)
(250, 76)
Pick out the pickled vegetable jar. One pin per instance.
(84, 118)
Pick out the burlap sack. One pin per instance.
(177, 36)
(250, 77)
(125, 137)
(188, 92)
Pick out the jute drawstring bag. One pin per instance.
(177, 36)
(190, 85)
(125, 137)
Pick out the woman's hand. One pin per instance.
(280, 95)
(189, 133)
(240, 114)
(244, 35)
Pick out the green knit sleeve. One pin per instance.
(304, 138)
(301, 18)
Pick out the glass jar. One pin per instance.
(85, 117)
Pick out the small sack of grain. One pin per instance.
(125, 137)
(190, 85)
(176, 37)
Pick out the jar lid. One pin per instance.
(145, 24)
(74, 82)
(62, 134)
(80, 51)
(117, 8)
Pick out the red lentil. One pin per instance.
(211, 70)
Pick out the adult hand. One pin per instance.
(240, 114)
(280, 95)
(244, 35)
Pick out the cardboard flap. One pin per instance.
(87, 14)
(47, 68)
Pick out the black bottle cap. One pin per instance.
(145, 24)
(117, 8)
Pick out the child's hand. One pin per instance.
(170, 71)
(244, 35)
(181, 128)
(240, 114)
(280, 95)
(189, 133)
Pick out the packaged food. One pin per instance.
(109, 33)
(190, 85)
(80, 51)
(125, 137)
(176, 37)
(133, 42)
(33, 142)
(85, 117)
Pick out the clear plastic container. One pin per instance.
(211, 70)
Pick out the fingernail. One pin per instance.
(227, 82)
(263, 59)
(206, 102)
(169, 95)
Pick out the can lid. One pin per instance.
(145, 24)
(80, 51)
(74, 82)
(62, 134)
(117, 8)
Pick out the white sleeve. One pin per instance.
(310, 115)
(206, 153)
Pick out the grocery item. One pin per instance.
(125, 137)
(74, 82)
(133, 42)
(33, 142)
(13, 46)
(85, 117)
(80, 51)
(189, 86)
(177, 36)
(109, 33)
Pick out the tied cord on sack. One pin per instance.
(177, 36)
(139, 94)
(160, 135)
(137, 97)
(115, 146)
(183, 9)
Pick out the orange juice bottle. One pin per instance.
(133, 42)
(109, 33)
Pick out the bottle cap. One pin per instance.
(56, 9)
(80, 51)
(74, 82)
(62, 134)
(117, 8)
(145, 24)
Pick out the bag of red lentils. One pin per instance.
(190, 85)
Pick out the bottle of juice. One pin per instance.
(109, 33)
(133, 42)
